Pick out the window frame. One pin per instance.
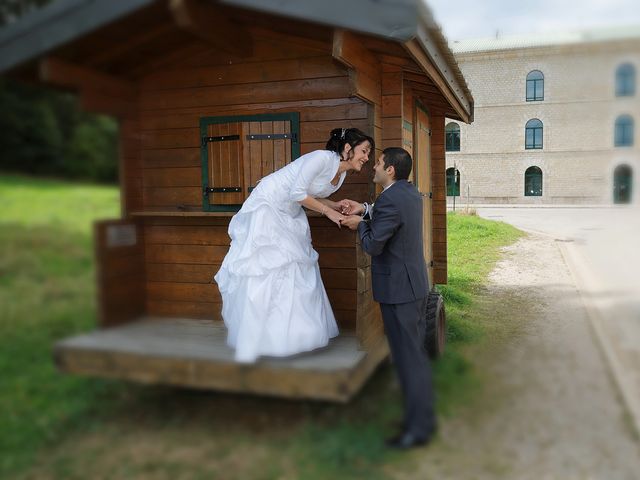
(456, 182)
(292, 117)
(530, 175)
(534, 145)
(534, 82)
(625, 80)
(626, 131)
(446, 138)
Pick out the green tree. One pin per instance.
(43, 132)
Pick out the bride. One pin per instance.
(273, 299)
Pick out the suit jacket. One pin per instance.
(393, 238)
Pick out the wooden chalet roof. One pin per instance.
(123, 37)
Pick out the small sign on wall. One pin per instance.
(123, 235)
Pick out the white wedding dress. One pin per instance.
(273, 299)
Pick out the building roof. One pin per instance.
(59, 22)
(578, 37)
(63, 21)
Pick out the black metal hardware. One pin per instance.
(273, 136)
(207, 190)
(221, 138)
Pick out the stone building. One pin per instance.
(556, 120)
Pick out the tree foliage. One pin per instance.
(43, 132)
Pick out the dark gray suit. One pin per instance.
(393, 238)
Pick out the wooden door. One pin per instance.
(422, 175)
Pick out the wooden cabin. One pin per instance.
(210, 97)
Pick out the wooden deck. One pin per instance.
(193, 353)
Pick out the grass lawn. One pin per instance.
(57, 426)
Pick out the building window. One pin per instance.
(533, 182)
(453, 182)
(624, 131)
(533, 134)
(625, 80)
(535, 86)
(622, 183)
(452, 133)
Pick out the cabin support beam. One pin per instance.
(364, 67)
(207, 23)
(99, 92)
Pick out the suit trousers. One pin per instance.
(405, 327)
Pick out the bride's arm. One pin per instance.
(331, 204)
(319, 205)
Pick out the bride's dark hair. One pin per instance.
(354, 137)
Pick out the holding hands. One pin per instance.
(350, 207)
(335, 216)
(353, 211)
(345, 212)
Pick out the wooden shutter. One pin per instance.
(265, 149)
(225, 166)
(239, 151)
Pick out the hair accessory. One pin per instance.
(342, 134)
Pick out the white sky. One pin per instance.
(462, 19)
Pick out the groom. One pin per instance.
(392, 234)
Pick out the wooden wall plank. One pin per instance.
(173, 177)
(245, 72)
(173, 157)
(321, 88)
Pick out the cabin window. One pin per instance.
(535, 86)
(625, 80)
(533, 182)
(624, 131)
(237, 151)
(452, 132)
(453, 182)
(533, 134)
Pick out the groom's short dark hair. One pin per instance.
(400, 160)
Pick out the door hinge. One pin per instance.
(206, 190)
(273, 136)
(221, 138)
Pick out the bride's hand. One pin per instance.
(337, 206)
(335, 217)
(350, 207)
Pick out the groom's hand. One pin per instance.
(351, 207)
(351, 221)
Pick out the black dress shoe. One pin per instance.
(405, 441)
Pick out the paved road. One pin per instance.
(548, 408)
(602, 248)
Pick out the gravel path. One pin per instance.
(549, 408)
